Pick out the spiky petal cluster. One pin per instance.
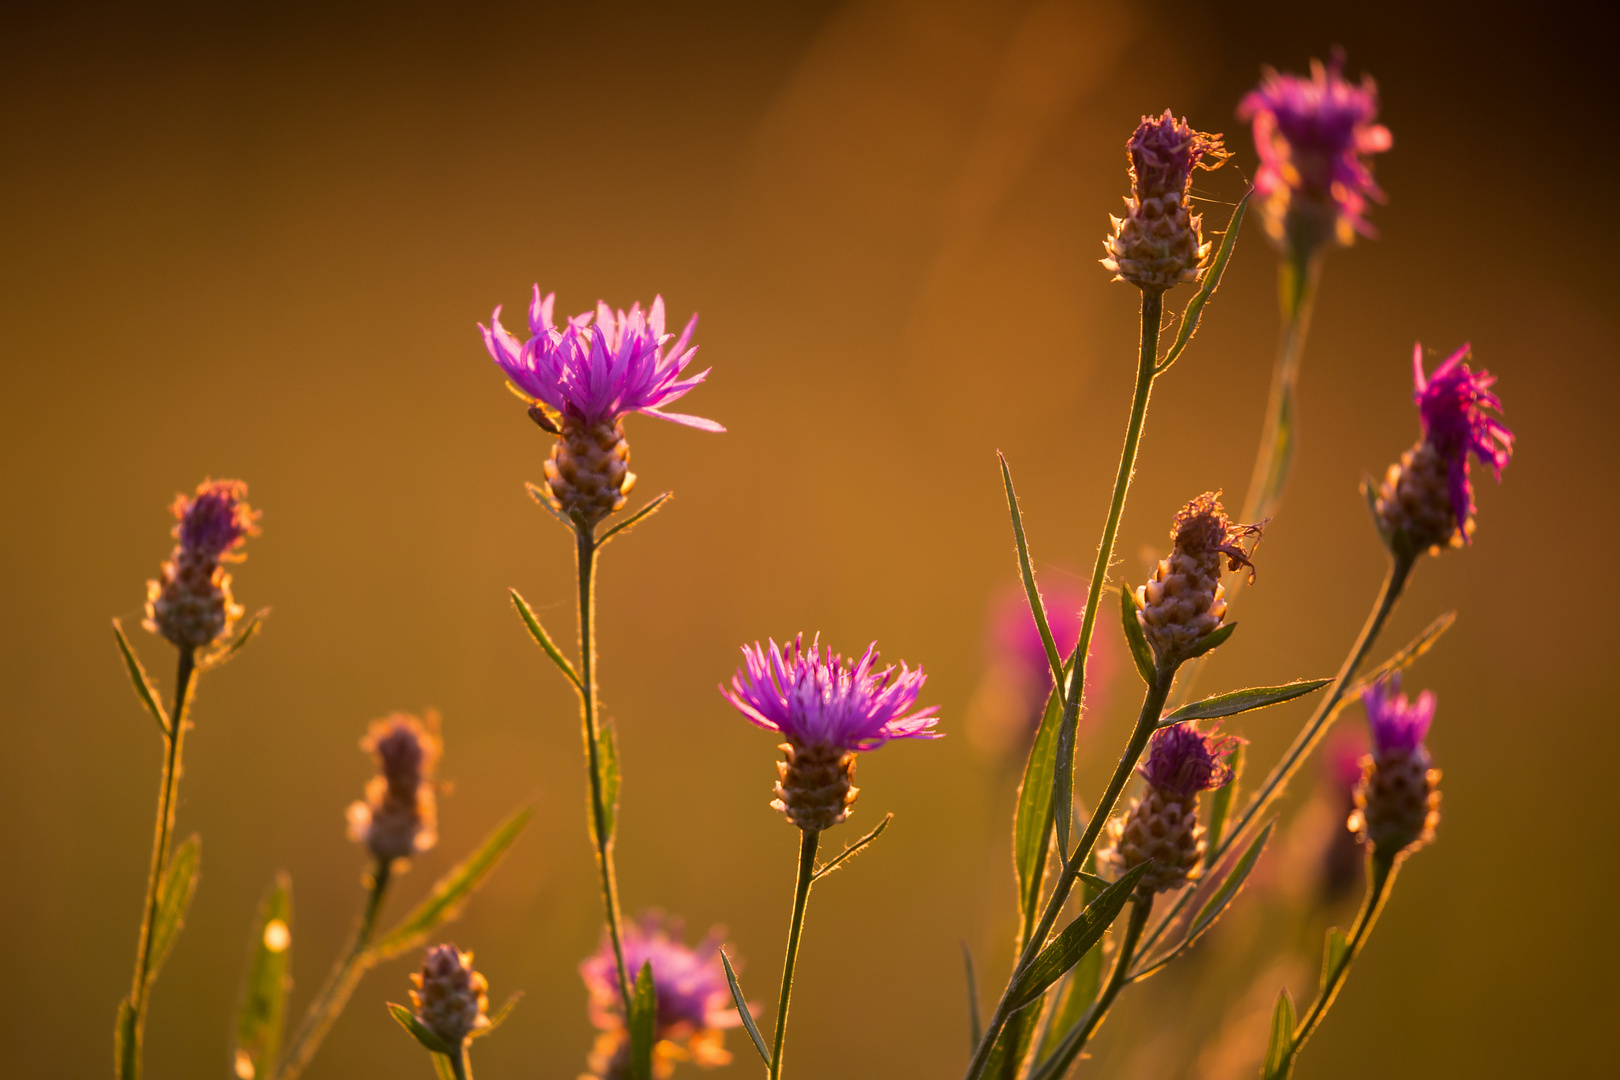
(694, 999)
(1397, 801)
(397, 819)
(1428, 496)
(450, 998)
(191, 604)
(1313, 136)
(827, 709)
(1184, 601)
(1161, 827)
(1159, 242)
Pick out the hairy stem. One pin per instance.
(1075, 1041)
(801, 895)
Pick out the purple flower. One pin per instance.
(1311, 135)
(1452, 403)
(1182, 761)
(1163, 152)
(1398, 725)
(398, 817)
(813, 699)
(595, 372)
(214, 522)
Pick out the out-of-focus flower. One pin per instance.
(694, 999)
(828, 710)
(1313, 136)
(1428, 497)
(1184, 601)
(450, 997)
(583, 380)
(1397, 801)
(1161, 826)
(397, 819)
(191, 603)
(1159, 242)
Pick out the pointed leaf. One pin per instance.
(1212, 640)
(499, 1018)
(143, 685)
(1220, 805)
(443, 1069)
(544, 503)
(1212, 281)
(834, 863)
(1013, 1042)
(607, 753)
(1032, 820)
(1230, 887)
(1335, 950)
(1141, 651)
(636, 518)
(263, 999)
(975, 1029)
(1369, 491)
(175, 888)
(221, 653)
(1037, 607)
(643, 1017)
(1068, 947)
(1278, 1063)
(539, 634)
(744, 1011)
(1407, 655)
(452, 890)
(1082, 985)
(1241, 701)
(421, 1034)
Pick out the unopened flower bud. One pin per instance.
(815, 785)
(588, 475)
(191, 603)
(1398, 799)
(1184, 601)
(398, 817)
(451, 998)
(1159, 242)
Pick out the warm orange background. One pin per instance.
(256, 245)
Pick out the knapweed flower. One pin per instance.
(1159, 242)
(191, 604)
(1313, 136)
(1161, 827)
(1184, 601)
(694, 999)
(450, 997)
(583, 380)
(1428, 497)
(397, 819)
(828, 711)
(1397, 801)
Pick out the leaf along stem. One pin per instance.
(801, 896)
(1075, 1041)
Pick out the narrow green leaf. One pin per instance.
(1037, 607)
(452, 890)
(636, 518)
(607, 743)
(1242, 701)
(263, 1000)
(1213, 639)
(1082, 985)
(1013, 1042)
(221, 653)
(421, 1034)
(744, 1011)
(1212, 281)
(499, 1018)
(175, 888)
(539, 634)
(1032, 820)
(544, 503)
(1141, 651)
(833, 864)
(1068, 947)
(443, 1068)
(1406, 656)
(126, 1042)
(1220, 805)
(1335, 950)
(1229, 889)
(975, 1028)
(643, 1015)
(1369, 491)
(143, 685)
(1278, 1063)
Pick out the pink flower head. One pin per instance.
(1312, 135)
(1452, 403)
(603, 365)
(1182, 761)
(1163, 152)
(1398, 726)
(1015, 641)
(812, 698)
(1341, 763)
(214, 523)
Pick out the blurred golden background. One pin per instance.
(255, 242)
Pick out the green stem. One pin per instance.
(1381, 868)
(801, 894)
(339, 986)
(586, 564)
(1075, 1041)
(163, 836)
(461, 1064)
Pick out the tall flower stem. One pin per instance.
(339, 986)
(601, 835)
(1381, 867)
(801, 896)
(461, 1064)
(129, 1066)
(1075, 1041)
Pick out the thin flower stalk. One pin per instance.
(1074, 1042)
(801, 896)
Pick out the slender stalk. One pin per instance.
(1075, 1041)
(339, 986)
(801, 895)
(163, 837)
(586, 564)
(1381, 868)
(461, 1064)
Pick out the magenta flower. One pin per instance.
(1183, 761)
(1398, 726)
(813, 699)
(1452, 403)
(1019, 666)
(214, 522)
(595, 372)
(1312, 136)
